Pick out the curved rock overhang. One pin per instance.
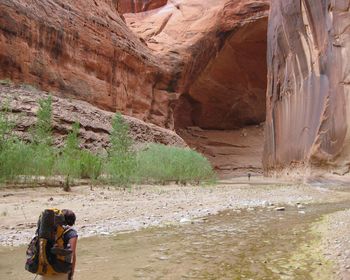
(230, 91)
(184, 48)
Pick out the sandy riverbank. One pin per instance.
(106, 210)
(336, 242)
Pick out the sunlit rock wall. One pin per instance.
(308, 94)
(82, 49)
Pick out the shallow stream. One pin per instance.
(258, 243)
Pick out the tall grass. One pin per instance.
(162, 164)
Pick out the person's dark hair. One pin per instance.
(69, 216)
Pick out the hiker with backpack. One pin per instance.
(52, 252)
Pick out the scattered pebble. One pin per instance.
(185, 221)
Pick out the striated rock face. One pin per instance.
(84, 50)
(137, 6)
(217, 50)
(95, 124)
(211, 53)
(308, 96)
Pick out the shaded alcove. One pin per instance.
(230, 92)
(222, 113)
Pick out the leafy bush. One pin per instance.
(22, 159)
(43, 154)
(121, 157)
(6, 125)
(42, 130)
(91, 165)
(5, 82)
(67, 163)
(74, 162)
(159, 163)
(14, 158)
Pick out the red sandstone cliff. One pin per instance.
(81, 49)
(137, 6)
(95, 124)
(308, 84)
(209, 52)
(217, 50)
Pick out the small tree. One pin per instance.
(121, 157)
(121, 142)
(42, 131)
(43, 158)
(6, 125)
(68, 162)
(72, 142)
(75, 162)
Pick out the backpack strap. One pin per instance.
(63, 233)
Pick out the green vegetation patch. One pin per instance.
(26, 162)
(161, 164)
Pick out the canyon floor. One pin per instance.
(231, 152)
(106, 211)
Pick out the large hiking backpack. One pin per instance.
(46, 254)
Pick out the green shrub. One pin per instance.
(20, 161)
(68, 163)
(91, 165)
(5, 82)
(120, 165)
(6, 125)
(19, 158)
(43, 154)
(161, 164)
(74, 162)
(14, 158)
(42, 130)
(42, 160)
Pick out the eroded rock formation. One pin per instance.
(95, 124)
(211, 53)
(217, 50)
(308, 96)
(137, 6)
(81, 49)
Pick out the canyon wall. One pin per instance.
(172, 63)
(84, 50)
(217, 50)
(138, 6)
(308, 94)
(95, 124)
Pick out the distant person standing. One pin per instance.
(249, 175)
